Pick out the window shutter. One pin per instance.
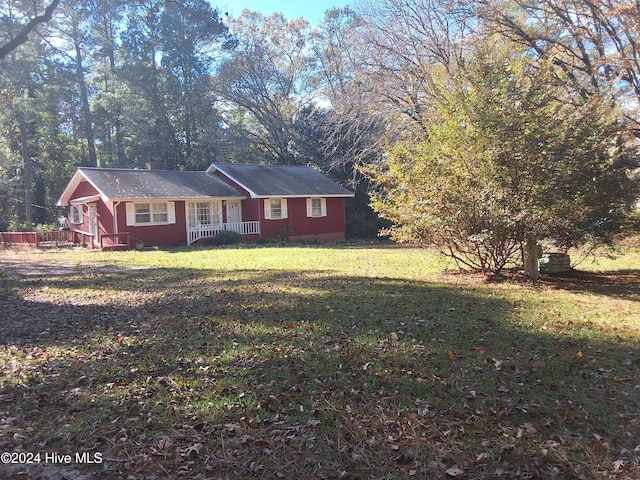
(131, 214)
(171, 212)
(309, 207)
(267, 208)
(323, 202)
(284, 208)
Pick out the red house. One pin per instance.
(166, 207)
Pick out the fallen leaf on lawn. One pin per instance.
(193, 450)
(617, 466)
(455, 472)
(450, 355)
(164, 443)
(526, 429)
(497, 363)
(233, 427)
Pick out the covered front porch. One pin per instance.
(205, 219)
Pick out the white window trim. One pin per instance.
(323, 207)
(268, 210)
(131, 213)
(73, 211)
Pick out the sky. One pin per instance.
(311, 10)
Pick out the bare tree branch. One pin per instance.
(23, 35)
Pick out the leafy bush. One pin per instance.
(16, 225)
(227, 237)
(503, 157)
(286, 229)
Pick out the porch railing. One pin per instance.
(208, 231)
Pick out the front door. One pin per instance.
(234, 214)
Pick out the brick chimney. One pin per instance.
(156, 163)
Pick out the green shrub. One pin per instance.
(227, 237)
(286, 229)
(16, 225)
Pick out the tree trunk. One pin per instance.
(86, 110)
(531, 256)
(26, 165)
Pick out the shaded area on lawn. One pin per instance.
(619, 283)
(276, 373)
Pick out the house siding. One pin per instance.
(156, 235)
(105, 214)
(327, 228)
(251, 210)
(324, 229)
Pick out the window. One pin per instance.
(159, 213)
(151, 213)
(316, 207)
(143, 213)
(204, 213)
(275, 208)
(76, 214)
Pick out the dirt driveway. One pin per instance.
(33, 264)
(38, 315)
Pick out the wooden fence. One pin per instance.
(55, 238)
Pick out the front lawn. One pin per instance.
(317, 362)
